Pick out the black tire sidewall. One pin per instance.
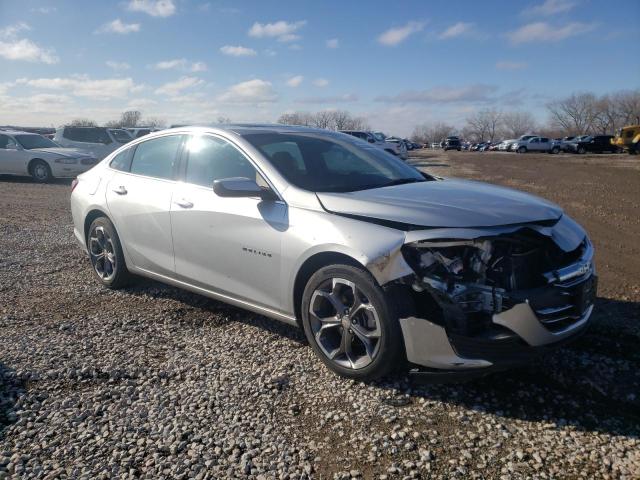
(122, 276)
(46, 166)
(389, 351)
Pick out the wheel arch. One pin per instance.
(310, 266)
(90, 217)
(33, 161)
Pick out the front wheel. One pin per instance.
(582, 150)
(350, 324)
(555, 150)
(106, 255)
(40, 171)
(522, 150)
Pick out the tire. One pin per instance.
(522, 150)
(339, 338)
(582, 150)
(555, 150)
(40, 171)
(106, 255)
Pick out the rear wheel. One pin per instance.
(555, 150)
(40, 171)
(105, 252)
(582, 150)
(522, 150)
(350, 324)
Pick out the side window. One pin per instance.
(122, 161)
(210, 158)
(7, 142)
(73, 134)
(535, 140)
(156, 157)
(544, 140)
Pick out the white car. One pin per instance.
(30, 154)
(99, 141)
(537, 144)
(505, 145)
(380, 140)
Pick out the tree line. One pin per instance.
(577, 114)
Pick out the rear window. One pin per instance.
(157, 157)
(87, 135)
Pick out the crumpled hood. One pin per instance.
(62, 152)
(447, 203)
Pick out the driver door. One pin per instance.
(227, 245)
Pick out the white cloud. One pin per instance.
(175, 88)
(27, 51)
(397, 35)
(545, 32)
(238, 51)
(456, 30)
(199, 67)
(507, 65)
(469, 93)
(252, 91)
(321, 82)
(155, 8)
(347, 97)
(551, 7)
(44, 10)
(281, 30)
(84, 86)
(333, 43)
(117, 66)
(295, 81)
(180, 64)
(12, 30)
(118, 26)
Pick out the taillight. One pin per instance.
(74, 184)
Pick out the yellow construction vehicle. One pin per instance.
(628, 138)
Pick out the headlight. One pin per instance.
(66, 161)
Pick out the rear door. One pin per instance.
(139, 198)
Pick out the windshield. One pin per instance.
(322, 163)
(29, 142)
(120, 136)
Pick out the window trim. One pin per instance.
(184, 160)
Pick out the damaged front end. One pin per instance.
(496, 296)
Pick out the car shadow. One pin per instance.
(11, 388)
(591, 384)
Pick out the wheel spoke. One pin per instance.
(368, 339)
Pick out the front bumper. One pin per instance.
(531, 323)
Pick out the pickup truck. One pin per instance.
(536, 144)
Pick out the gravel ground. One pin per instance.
(154, 382)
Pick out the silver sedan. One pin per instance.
(383, 266)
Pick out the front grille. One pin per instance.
(571, 301)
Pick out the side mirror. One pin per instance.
(237, 187)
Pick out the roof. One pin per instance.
(16, 132)
(248, 128)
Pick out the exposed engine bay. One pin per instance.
(462, 284)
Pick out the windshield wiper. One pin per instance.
(401, 181)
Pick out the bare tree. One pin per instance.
(323, 119)
(155, 122)
(627, 104)
(483, 125)
(130, 118)
(575, 114)
(516, 124)
(295, 118)
(83, 122)
(428, 133)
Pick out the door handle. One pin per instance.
(184, 203)
(120, 190)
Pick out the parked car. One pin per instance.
(138, 132)
(379, 140)
(99, 141)
(435, 145)
(320, 230)
(595, 144)
(537, 144)
(398, 146)
(452, 143)
(565, 141)
(30, 154)
(506, 145)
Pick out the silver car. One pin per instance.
(382, 265)
(30, 154)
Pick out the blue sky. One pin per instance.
(396, 63)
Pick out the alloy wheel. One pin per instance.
(40, 171)
(344, 323)
(102, 251)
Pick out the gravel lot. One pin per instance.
(155, 382)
